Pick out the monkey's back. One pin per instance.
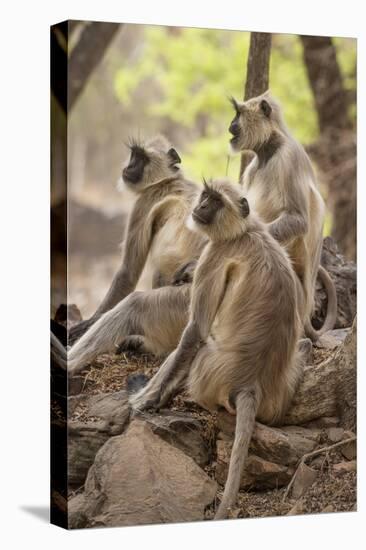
(255, 332)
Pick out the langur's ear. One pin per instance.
(244, 207)
(266, 108)
(234, 103)
(174, 157)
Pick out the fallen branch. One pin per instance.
(314, 453)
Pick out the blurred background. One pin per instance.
(138, 80)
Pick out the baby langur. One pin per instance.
(281, 187)
(152, 320)
(239, 348)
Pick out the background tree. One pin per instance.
(257, 80)
(335, 151)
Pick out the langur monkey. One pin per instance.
(155, 231)
(239, 348)
(153, 320)
(280, 186)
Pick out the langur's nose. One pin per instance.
(234, 127)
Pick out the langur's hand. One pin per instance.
(185, 274)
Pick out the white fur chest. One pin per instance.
(262, 197)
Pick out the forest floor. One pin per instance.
(331, 492)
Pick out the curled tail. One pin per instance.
(246, 408)
(331, 316)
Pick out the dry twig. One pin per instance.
(314, 453)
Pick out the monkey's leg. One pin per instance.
(246, 409)
(157, 315)
(162, 386)
(171, 376)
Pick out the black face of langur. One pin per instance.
(220, 211)
(251, 125)
(149, 164)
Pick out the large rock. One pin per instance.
(137, 478)
(181, 430)
(84, 441)
(112, 408)
(344, 275)
(102, 416)
(282, 446)
(329, 388)
(258, 473)
(332, 339)
(305, 477)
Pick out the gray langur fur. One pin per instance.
(152, 320)
(281, 187)
(239, 348)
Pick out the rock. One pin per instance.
(344, 275)
(328, 388)
(274, 444)
(304, 478)
(76, 512)
(332, 338)
(137, 478)
(344, 467)
(300, 431)
(68, 315)
(181, 430)
(335, 434)
(258, 473)
(75, 385)
(323, 422)
(84, 440)
(104, 415)
(298, 508)
(328, 509)
(112, 408)
(306, 347)
(349, 450)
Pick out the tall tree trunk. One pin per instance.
(83, 59)
(86, 55)
(257, 75)
(336, 150)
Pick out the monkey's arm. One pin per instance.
(207, 294)
(288, 225)
(139, 236)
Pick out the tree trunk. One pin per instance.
(69, 73)
(257, 75)
(86, 55)
(336, 150)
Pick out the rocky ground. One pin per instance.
(171, 466)
(331, 486)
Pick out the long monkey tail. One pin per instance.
(331, 316)
(246, 409)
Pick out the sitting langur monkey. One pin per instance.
(154, 227)
(280, 186)
(239, 348)
(156, 231)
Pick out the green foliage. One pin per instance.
(195, 70)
